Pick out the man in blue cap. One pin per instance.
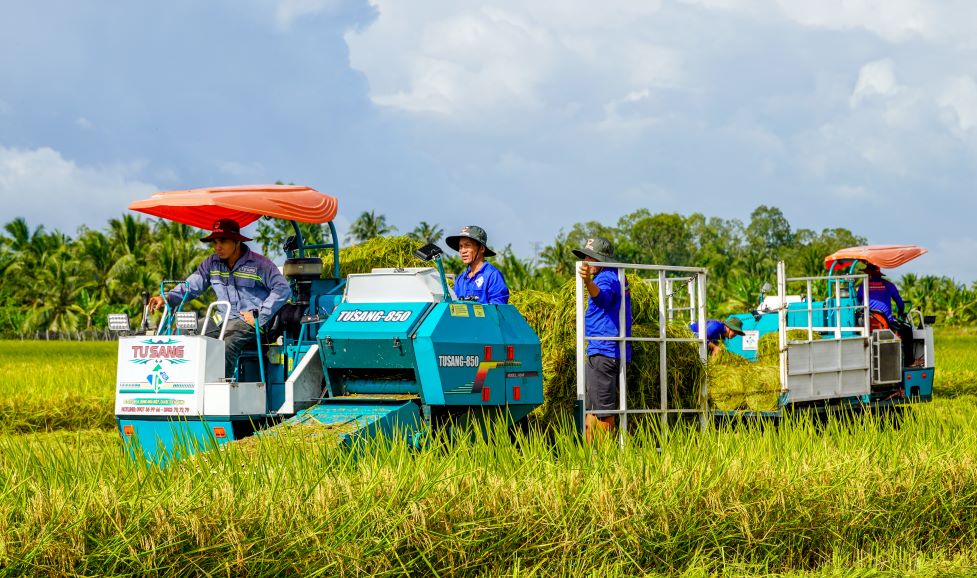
(719, 331)
(249, 281)
(481, 281)
(602, 319)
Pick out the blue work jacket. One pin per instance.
(255, 284)
(715, 330)
(604, 314)
(881, 294)
(487, 285)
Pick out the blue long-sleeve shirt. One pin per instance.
(254, 283)
(487, 285)
(715, 330)
(603, 316)
(881, 294)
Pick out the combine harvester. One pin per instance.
(847, 356)
(382, 352)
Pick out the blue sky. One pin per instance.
(523, 117)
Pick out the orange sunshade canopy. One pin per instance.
(885, 256)
(245, 204)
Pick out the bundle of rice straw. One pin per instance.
(379, 252)
(553, 317)
(737, 384)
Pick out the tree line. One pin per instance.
(51, 282)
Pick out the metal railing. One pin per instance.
(695, 280)
(836, 308)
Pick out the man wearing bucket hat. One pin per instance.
(719, 331)
(481, 281)
(249, 281)
(881, 294)
(602, 319)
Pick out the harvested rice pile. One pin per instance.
(737, 384)
(380, 252)
(553, 317)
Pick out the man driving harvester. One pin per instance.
(881, 294)
(481, 281)
(719, 331)
(249, 281)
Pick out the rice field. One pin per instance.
(859, 497)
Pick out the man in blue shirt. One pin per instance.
(481, 281)
(719, 331)
(249, 281)
(881, 294)
(603, 319)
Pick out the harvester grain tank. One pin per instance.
(388, 351)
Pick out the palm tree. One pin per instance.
(427, 233)
(367, 226)
(57, 284)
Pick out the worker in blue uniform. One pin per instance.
(881, 294)
(249, 281)
(481, 281)
(603, 319)
(719, 331)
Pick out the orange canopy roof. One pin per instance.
(245, 204)
(885, 256)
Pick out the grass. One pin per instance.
(956, 362)
(858, 496)
(788, 499)
(56, 385)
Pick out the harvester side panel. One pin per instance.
(828, 368)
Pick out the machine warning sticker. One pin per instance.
(479, 310)
(373, 316)
(458, 360)
(459, 310)
(751, 339)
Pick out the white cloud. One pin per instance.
(45, 188)
(288, 11)
(84, 123)
(959, 97)
(875, 79)
(470, 62)
(893, 20)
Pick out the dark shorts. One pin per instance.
(603, 383)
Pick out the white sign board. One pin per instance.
(751, 339)
(164, 375)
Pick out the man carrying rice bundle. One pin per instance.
(603, 320)
(481, 281)
(719, 331)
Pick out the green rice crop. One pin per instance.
(56, 385)
(796, 498)
(956, 362)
